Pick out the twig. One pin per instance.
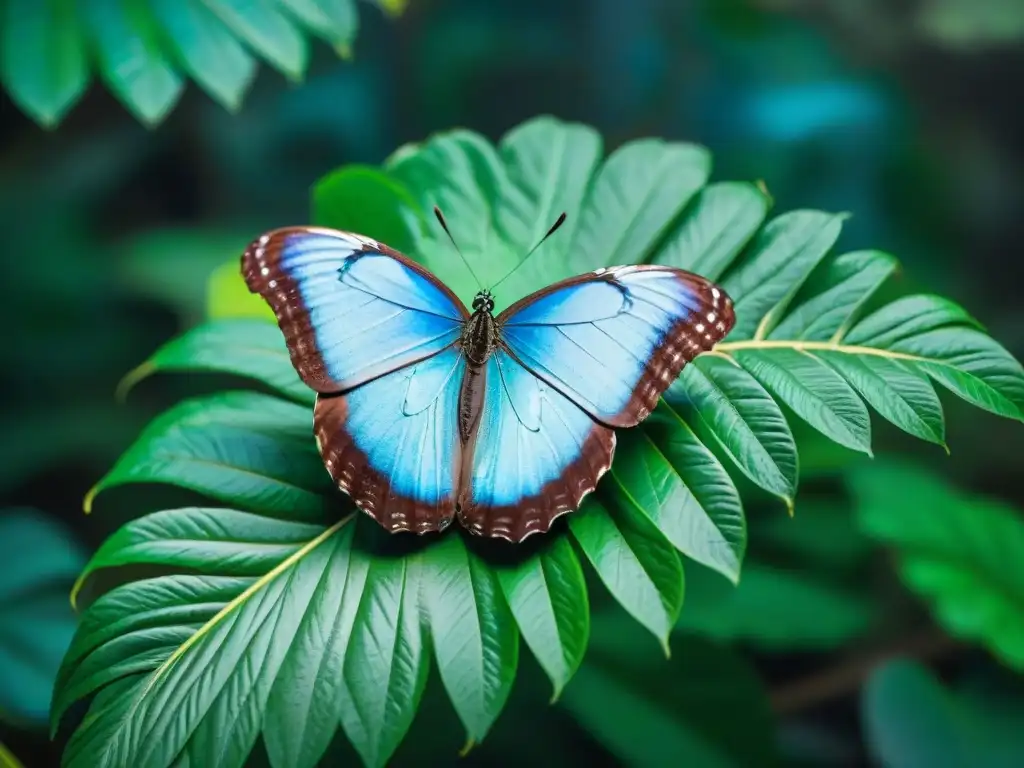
(848, 675)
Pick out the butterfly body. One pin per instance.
(427, 411)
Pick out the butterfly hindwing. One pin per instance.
(350, 308)
(535, 455)
(613, 340)
(392, 444)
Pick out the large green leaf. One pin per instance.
(336, 610)
(40, 559)
(911, 720)
(236, 447)
(140, 46)
(953, 549)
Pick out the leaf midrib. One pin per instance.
(728, 347)
(230, 608)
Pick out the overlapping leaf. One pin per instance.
(335, 606)
(143, 49)
(956, 551)
(912, 719)
(40, 559)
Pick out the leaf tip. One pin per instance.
(130, 379)
(468, 746)
(790, 503)
(556, 694)
(90, 497)
(76, 589)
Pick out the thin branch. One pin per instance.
(849, 674)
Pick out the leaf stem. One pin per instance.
(827, 346)
(224, 612)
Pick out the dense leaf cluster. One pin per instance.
(144, 50)
(286, 614)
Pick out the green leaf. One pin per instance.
(209, 540)
(236, 656)
(229, 298)
(148, 620)
(742, 418)
(130, 58)
(815, 393)
(458, 171)
(905, 318)
(334, 20)
(674, 480)
(140, 46)
(782, 256)
(773, 609)
(241, 347)
(40, 560)
(849, 281)
(474, 635)
(548, 597)
(912, 720)
(692, 707)
(362, 199)
(636, 563)
(953, 550)
(43, 57)
(267, 31)
(899, 393)
(306, 702)
(207, 50)
(241, 448)
(971, 365)
(633, 198)
(385, 668)
(721, 220)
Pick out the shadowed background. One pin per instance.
(906, 115)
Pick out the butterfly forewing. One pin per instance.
(615, 365)
(350, 308)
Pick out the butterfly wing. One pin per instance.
(613, 340)
(374, 333)
(536, 454)
(392, 444)
(350, 308)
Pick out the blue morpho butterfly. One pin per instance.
(426, 411)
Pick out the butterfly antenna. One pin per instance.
(550, 232)
(444, 226)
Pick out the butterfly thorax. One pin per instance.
(480, 334)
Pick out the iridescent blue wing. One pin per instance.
(393, 445)
(613, 340)
(576, 359)
(350, 308)
(536, 454)
(374, 333)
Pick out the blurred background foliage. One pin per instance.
(884, 623)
